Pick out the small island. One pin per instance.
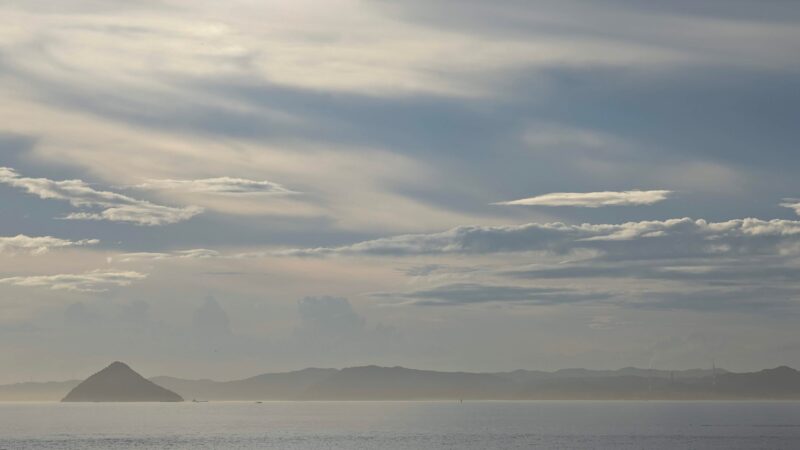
(119, 383)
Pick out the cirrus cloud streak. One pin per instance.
(683, 237)
(93, 281)
(593, 199)
(37, 245)
(460, 294)
(113, 207)
(219, 185)
(196, 253)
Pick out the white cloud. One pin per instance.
(352, 46)
(792, 203)
(147, 214)
(647, 239)
(94, 281)
(593, 199)
(197, 253)
(114, 207)
(37, 245)
(220, 185)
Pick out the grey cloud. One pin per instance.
(113, 206)
(330, 329)
(721, 271)
(738, 299)
(220, 185)
(210, 320)
(94, 281)
(647, 239)
(439, 270)
(135, 314)
(78, 315)
(329, 316)
(37, 245)
(423, 270)
(751, 298)
(593, 199)
(146, 329)
(624, 21)
(474, 293)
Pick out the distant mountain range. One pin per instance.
(399, 383)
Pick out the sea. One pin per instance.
(402, 425)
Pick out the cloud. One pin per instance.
(210, 321)
(792, 203)
(593, 199)
(424, 270)
(473, 293)
(729, 34)
(740, 299)
(747, 297)
(114, 207)
(729, 272)
(146, 214)
(195, 253)
(632, 240)
(216, 104)
(79, 316)
(356, 107)
(328, 316)
(94, 281)
(332, 330)
(220, 185)
(37, 245)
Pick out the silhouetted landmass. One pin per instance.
(399, 383)
(272, 386)
(525, 376)
(119, 383)
(770, 383)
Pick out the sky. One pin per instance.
(220, 189)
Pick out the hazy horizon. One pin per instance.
(200, 376)
(242, 187)
(119, 382)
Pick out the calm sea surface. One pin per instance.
(402, 425)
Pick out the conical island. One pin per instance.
(119, 383)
